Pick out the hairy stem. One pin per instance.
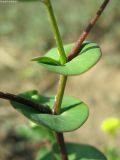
(85, 33)
(63, 58)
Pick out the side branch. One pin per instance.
(38, 107)
(85, 33)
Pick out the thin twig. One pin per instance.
(19, 99)
(85, 33)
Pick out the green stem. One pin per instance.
(63, 58)
(63, 79)
(60, 93)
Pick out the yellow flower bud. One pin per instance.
(110, 125)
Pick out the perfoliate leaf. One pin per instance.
(73, 112)
(87, 57)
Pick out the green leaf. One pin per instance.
(46, 60)
(87, 57)
(73, 112)
(84, 152)
(76, 152)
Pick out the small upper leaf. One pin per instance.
(73, 113)
(87, 57)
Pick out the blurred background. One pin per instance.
(25, 33)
